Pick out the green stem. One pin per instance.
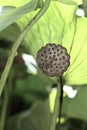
(4, 107)
(56, 104)
(7, 93)
(60, 102)
(18, 43)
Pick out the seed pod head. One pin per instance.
(53, 59)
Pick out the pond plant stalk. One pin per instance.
(60, 103)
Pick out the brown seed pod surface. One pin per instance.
(53, 59)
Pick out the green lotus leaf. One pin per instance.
(60, 25)
(16, 3)
(5, 9)
(15, 13)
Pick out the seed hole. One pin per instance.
(51, 71)
(41, 54)
(61, 52)
(63, 57)
(58, 54)
(49, 57)
(51, 62)
(44, 51)
(54, 52)
(53, 55)
(61, 67)
(55, 63)
(56, 59)
(51, 66)
(48, 49)
(50, 52)
(63, 63)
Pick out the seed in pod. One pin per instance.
(53, 59)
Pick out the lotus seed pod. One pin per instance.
(53, 59)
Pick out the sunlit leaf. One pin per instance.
(5, 9)
(55, 26)
(78, 1)
(58, 26)
(13, 15)
(67, 1)
(16, 3)
(77, 73)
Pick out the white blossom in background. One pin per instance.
(80, 12)
(30, 63)
(71, 93)
(1, 9)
